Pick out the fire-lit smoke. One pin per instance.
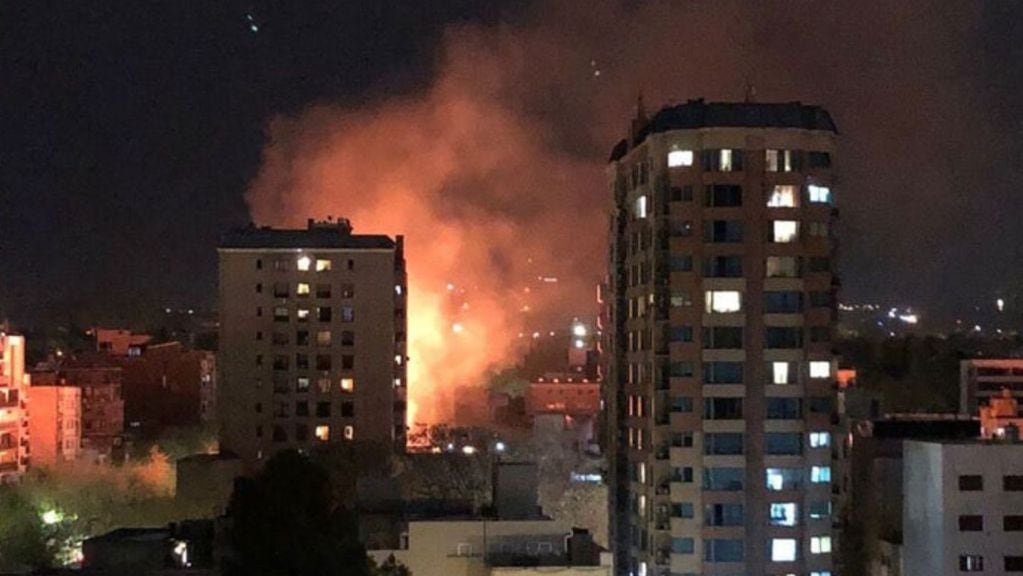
(494, 172)
(486, 205)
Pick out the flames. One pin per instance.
(485, 202)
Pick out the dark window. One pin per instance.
(347, 409)
(724, 479)
(682, 474)
(682, 510)
(723, 443)
(971, 563)
(720, 337)
(682, 404)
(1012, 483)
(280, 362)
(259, 288)
(301, 432)
(301, 361)
(1011, 523)
(784, 408)
(301, 408)
(348, 338)
(971, 483)
(279, 339)
(819, 264)
(259, 335)
(280, 314)
(680, 369)
(723, 196)
(348, 290)
(783, 443)
(323, 313)
(717, 550)
(323, 409)
(680, 263)
(783, 337)
(820, 334)
(279, 434)
(722, 372)
(347, 362)
(783, 302)
(820, 404)
(302, 338)
(971, 523)
(680, 334)
(259, 263)
(281, 290)
(819, 159)
(323, 361)
(722, 231)
(723, 515)
(682, 439)
(1014, 563)
(820, 299)
(347, 314)
(323, 290)
(722, 408)
(723, 267)
(683, 194)
(681, 228)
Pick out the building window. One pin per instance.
(784, 408)
(680, 263)
(323, 290)
(820, 474)
(348, 362)
(259, 288)
(348, 384)
(723, 515)
(820, 439)
(682, 510)
(819, 404)
(723, 444)
(1013, 564)
(820, 510)
(819, 159)
(723, 267)
(722, 372)
(782, 267)
(784, 231)
(302, 289)
(281, 314)
(723, 301)
(322, 265)
(682, 404)
(782, 479)
(722, 231)
(347, 409)
(323, 338)
(323, 385)
(820, 369)
(783, 197)
(722, 408)
(720, 550)
(819, 194)
(279, 435)
(347, 314)
(303, 263)
(301, 338)
(301, 432)
(680, 158)
(779, 160)
(1012, 483)
(680, 334)
(971, 523)
(640, 207)
(1012, 523)
(302, 384)
(723, 196)
(680, 299)
(820, 545)
(302, 408)
(322, 432)
(971, 483)
(783, 372)
(259, 263)
(819, 229)
(783, 337)
(680, 370)
(783, 514)
(301, 361)
(783, 443)
(784, 549)
(790, 302)
(971, 563)
(681, 228)
(279, 339)
(323, 313)
(349, 432)
(347, 338)
(302, 314)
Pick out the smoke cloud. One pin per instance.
(495, 172)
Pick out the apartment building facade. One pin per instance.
(981, 379)
(56, 422)
(720, 311)
(312, 339)
(963, 507)
(14, 434)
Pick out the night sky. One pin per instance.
(131, 132)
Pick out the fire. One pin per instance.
(485, 203)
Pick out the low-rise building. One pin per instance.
(998, 418)
(14, 434)
(55, 425)
(982, 379)
(167, 385)
(102, 420)
(119, 341)
(963, 507)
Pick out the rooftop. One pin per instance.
(696, 114)
(328, 234)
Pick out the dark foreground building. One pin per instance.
(720, 368)
(312, 339)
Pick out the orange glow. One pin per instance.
(486, 204)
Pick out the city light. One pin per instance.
(579, 330)
(1000, 304)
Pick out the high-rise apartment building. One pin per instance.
(720, 371)
(14, 445)
(312, 339)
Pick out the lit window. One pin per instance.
(783, 197)
(302, 314)
(820, 369)
(779, 160)
(820, 474)
(397, 382)
(780, 372)
(302, 384)
(642, 473)
(820, 439)
(785, 231)
(723, 301)
(348, 384)
(820, 509)
(821, 573)
(679, 158)
(640, 210)
(323, 433)
(820, 545)
(726, 160)
(784, 514)
(322, 265)
(302, 289)
(819, 194)
(971, 563)
(323, 338)
(397, 289)
(304, 262)
(350, 434)
(783, 549)
(642, 504)
(398, 359)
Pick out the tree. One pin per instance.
(23, 541)
(285, 522)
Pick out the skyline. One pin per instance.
(117, 210)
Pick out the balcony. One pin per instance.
(8, 399)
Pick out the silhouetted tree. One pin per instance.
(22, 538)
(286, 522)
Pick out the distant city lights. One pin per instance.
(579, 330)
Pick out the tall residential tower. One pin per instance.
(721, 308)
(312, 339)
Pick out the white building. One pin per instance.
(962, 508)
